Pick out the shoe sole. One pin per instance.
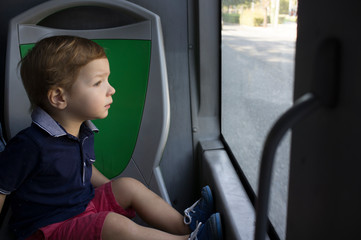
(209, 196)
(216, 226)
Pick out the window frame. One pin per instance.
(212, 148)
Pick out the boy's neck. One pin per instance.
(72, 126)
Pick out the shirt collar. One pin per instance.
(53, 128)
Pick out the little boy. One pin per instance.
(56, 192)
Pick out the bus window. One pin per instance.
(258, 52)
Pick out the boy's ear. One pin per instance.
(57, 98)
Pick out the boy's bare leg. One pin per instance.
(149, 206)
(119, 227)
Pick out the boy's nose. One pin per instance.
(111, 90)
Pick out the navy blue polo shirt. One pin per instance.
(46, 172)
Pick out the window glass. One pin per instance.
(258, 52)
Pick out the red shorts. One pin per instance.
(87, 225)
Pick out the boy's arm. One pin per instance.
(2, 200)
(98, 178)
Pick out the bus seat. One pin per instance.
(5, 232)
(132, 138)
(2, 140)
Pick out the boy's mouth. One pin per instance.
(108, 105)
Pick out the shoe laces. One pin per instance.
(187, 213)
(194, 234)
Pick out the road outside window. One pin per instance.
(258, 52)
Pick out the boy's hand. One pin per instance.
(2, 200)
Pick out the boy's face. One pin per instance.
(91, 94)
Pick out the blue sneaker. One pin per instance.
(211, 230)
(201, 210)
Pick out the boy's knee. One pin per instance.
(116, 225)
(127, 183)
(125, 190)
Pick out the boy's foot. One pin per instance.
(201, 210)
(211, 230)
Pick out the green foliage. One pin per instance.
(236, 2)
(258, 21)
(284, 4)
(230, 17)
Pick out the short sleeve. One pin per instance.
(18, 160)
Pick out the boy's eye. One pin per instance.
(97, 83)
